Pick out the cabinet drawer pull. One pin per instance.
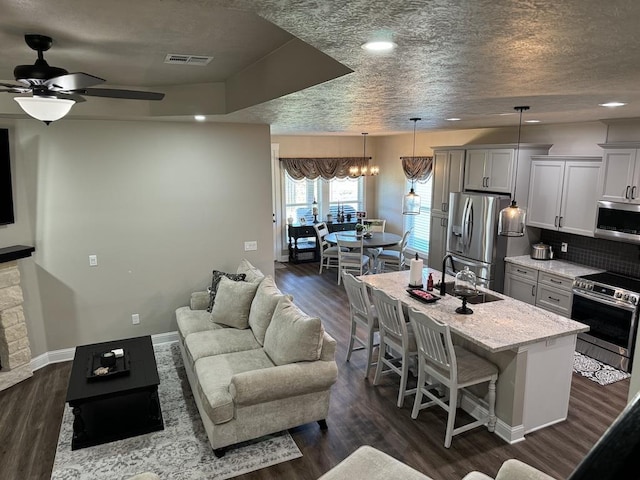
(521, 271)
(633, 192)
(554, 299)
(554, 281)
(444, 207)
(560, 222)
(626, 192)
(555, 222)
(533, 290)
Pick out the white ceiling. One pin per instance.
(473, 59)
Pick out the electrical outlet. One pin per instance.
(135, 319)
(248, 246)
(93, 260)
(564, 247)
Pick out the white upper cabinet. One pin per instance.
(490, 170)
(563, 194)
(620, 175)
(447, 177)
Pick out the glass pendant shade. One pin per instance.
(511, 221)
(46, 109)
(411, 203)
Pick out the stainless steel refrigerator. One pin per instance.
(473, 240)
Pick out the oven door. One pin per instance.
(612, 325)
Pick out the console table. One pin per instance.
(303, 245)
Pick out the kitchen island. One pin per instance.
(533, 349)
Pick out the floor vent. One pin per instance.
(177, 59)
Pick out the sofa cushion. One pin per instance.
(216, 276)
(252, 274)
(264, 304)
(214, 376)
(292, 335)
(191, 321)
(219, 341)
(233, 303)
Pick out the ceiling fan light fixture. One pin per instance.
(46, 109)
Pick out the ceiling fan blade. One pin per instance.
(10, 90)
(17, 88)
(70, 96)
(73, 81)
(126, 94)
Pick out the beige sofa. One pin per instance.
(372, 464)
(256, 363)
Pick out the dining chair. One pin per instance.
(350, 256)
(328, 253)
(452, 367)
(394, 256)
(397, 336)
(374, 224)
(362, 313)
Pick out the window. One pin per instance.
(347, 193)
(420, 224)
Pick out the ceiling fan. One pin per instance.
(54, 90)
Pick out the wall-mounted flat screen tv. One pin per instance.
(6, 194)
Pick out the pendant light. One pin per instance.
(411, 201)
(511, 219)
(365, 170)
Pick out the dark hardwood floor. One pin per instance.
(30, 414)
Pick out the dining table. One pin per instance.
(375, 240)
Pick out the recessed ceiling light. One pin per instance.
(200, 118)
(379, 46)
(532, 121)
(453, 119)
(612, 104)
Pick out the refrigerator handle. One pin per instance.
(467, 220)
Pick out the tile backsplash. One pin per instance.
(617, 257)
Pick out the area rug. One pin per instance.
(597, 371)
(180, 451)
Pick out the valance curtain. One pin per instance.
(327, 168)
(417, 168)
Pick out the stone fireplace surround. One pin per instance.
(15, 352)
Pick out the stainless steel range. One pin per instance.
(609, 304)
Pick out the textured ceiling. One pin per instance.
(473, 59)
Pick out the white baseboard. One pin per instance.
(505, 431)
(67, 354)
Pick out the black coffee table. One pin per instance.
(117, 407)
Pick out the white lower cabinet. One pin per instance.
(542, 289)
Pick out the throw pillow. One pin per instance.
(293, 336)
(252, 274)
(233, 302)
(264, 304)
(215, 280)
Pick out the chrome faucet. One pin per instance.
(443, 285)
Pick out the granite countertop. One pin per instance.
(557, 267)
(497, 326)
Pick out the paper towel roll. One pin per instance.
(415, 273)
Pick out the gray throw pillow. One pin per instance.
(233, 302)
(215, 280)
(252, 274)
(264, 304)
(293, 336)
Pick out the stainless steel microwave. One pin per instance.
(618, 221)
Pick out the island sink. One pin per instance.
(482, 297)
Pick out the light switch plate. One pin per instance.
(93, 260)
(249, 246)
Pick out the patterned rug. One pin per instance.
(597, 371)
(180, 451)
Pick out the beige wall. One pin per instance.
(160, 204)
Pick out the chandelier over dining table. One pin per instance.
(365, 169)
